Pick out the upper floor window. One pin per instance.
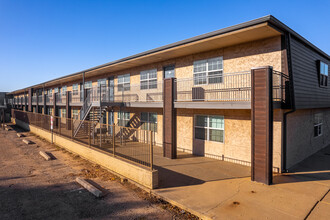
(169, 71)
(323, 73)
(64, 89)
(210, 128)
(208, 71)
(148, 79)
(101, 83)
(50, 92)
(75, 89)
(56, 90)
(88, 85)
(124, 82)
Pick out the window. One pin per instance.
(149, 121)
(323, 73)
(210, 128)
(50, 93)
(123, 119)
(88, 85)
(318, 124)
(75, 113)
(64, 89)
(101, 83)
(75, 89)
(63, 113)
(56, 90)
(169, 72)
(148, 79)
(124, 82)
(208, 71)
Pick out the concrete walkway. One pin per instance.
(215, 189)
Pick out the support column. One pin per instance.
(169, 119)
(68, 111)
(262, 125)
(30, 100)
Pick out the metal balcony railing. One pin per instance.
(150, 92)
(61, 98)
(34, 100)
(49, 100)
(219, 87)
(40, 100)
(76, 97)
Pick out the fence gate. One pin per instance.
(262, 125)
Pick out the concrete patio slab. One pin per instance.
(215, 189)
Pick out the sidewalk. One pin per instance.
(297, 195)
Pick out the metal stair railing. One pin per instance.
(83, 113)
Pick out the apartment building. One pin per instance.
(210, 95)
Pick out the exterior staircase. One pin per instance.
(89, 113)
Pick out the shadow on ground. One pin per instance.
(313, 168)
(66, 201)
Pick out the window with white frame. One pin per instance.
(64, 113)
(148, 79)
(64, 89)
(88, 85)
(208, 71)
(75, 89)
(101, 83)
(323, 73)
(149, 121)
(124, 82)
(50, 93)
(123, 119)
(55, 90)
(318, 124)
(209, 127)
(75, 113)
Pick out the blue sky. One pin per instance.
(45, 39)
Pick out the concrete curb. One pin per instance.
(27, 141)
(181, 206)
(92, 189)
(45, 155)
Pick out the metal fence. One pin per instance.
(134, 145)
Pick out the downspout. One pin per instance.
(292, 103)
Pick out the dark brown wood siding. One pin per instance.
(307, 92)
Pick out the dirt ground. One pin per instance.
(32, 188)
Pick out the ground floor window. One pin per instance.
(123, 119)
(210, 128)
(50, 111)
(75, 113)
(149, 121)
(318, 124)
(63, 113)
